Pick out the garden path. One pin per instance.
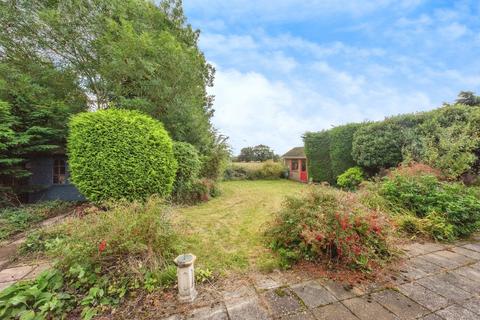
(437, 281)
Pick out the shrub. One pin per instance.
(341, 139)
(189, 165)
(331, 225)
(268, 170)
(120, 154)
(317, 150)
(378, 145)
(351, 178)
(451, 210)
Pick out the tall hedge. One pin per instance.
(317, 150)
(189, 165)
(120, 154)
(378, 145)
(341, 139)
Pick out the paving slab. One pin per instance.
(441, 260)
(37, 270)
(455, 312)
(313, 294)
(473, 305)
(303, 315)
(410, 273)
(423, 264)
(468, 272)
(365, 309)
(445, 289)
(263, 282)
(472, 246)
(432, 316)
(460, 282)
(458, 258)
(467, 252)
(15, 274)
(5, 285)
(239, 292)
(246, 309)
(334, 311)
(282, 302)
(416, 249)
(214, 312)
(400, 305)
(342, 291)
(423, 296)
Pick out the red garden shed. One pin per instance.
(296, 161)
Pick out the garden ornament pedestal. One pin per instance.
(186, 277)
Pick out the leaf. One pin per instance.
(27, 315)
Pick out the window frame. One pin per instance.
(59, 172)
(292, 167)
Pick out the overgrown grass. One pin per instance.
(227, 233)
(17, 219)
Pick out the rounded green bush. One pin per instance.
(120, 154)
(351, 178)
(189, 165)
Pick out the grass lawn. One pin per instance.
(226, 233)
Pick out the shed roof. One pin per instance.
(295, 153)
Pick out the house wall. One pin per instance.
(42, 178)
(295, 174)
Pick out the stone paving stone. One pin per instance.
(424, 265)
(467, 252)
(303, 315)
(416, 249)
(423, 296)
(460, 282)
(431, 316)
(313, 294)
(5, 285)
(411, 273)
(37, 270)
(473, 305)
(460, 259)
(342, 291)
(13, 274)
(365, 310)
(282, 302)
(400, 305)
(468, 273)
(472, 246)
(217, 312)
(239, 292)
(246, 309)
(334, 311)
(444, 289)
(455, 312)
(263, 282)
(440, 261)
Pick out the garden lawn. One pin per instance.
(226, 233)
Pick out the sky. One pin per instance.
(286, 67)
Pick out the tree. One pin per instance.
(259, 153)
(36, 100)
(246, 155)
(130, 54)
(468, 98)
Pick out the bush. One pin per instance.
(341, 139)
(450, 210)
(268, 170)
(189, 165)
(351, 178)
(378, 145)
(120, 154)
(317, 150)
(331, 225)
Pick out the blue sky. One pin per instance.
(286, 67)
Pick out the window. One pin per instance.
(59, 176)
(294, 165)
(304, 165)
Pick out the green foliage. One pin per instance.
(120, 154)
(378, 145)
(332, 225)
(268, 170)
(341, 139)
(36, 100)
(317, 150)
(351, 178)
(447, 210)
(259, 153)
(450, 139)
(17, 219)
(134, 54)
(215, 159)
(189, 166)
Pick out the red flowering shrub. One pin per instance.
(331, 225)
(414, 169)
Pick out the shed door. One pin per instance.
(303, 170)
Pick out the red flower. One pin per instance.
(319, 237)
(102, 246)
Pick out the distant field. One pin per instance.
(248, 165)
